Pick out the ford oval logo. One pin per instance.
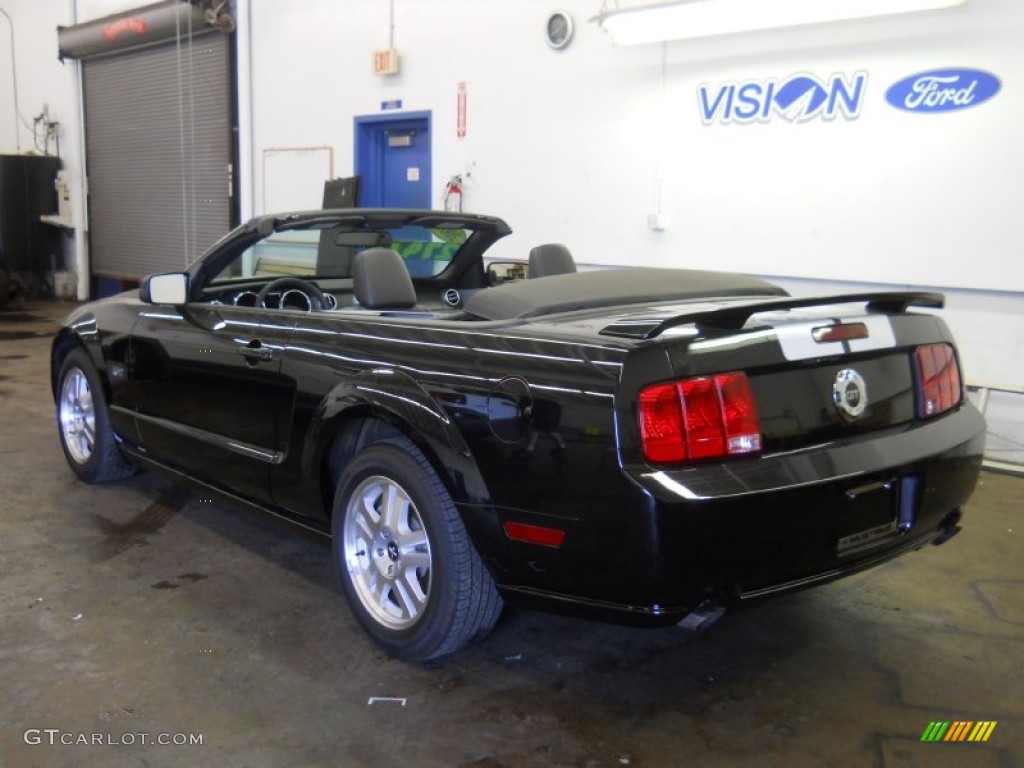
(943, 90)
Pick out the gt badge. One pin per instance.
(849, 393)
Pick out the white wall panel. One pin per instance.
(574, 146)
(579, 146)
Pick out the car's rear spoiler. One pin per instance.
(735, 316)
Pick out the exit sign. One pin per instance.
(385, 62)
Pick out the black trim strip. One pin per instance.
(220, 441)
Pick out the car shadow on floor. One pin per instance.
(626, 667)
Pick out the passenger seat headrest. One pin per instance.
(381, 281)
(550, 259)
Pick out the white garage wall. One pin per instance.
(579, 146)
(921, 198)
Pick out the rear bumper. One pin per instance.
(747, 529)
(892, 549)
(957, 434)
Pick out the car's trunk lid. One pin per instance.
(821, 369)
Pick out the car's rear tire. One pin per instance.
(412, 577)
(84, 425)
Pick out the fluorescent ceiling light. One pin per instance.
(704, 18)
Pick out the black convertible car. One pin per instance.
(648, 445)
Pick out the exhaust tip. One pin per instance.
(949, 526)
(702, 617)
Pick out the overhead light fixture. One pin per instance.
(687, 19)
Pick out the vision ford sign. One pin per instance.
(798, 98)
(943, 90)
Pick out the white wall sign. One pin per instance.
(798, 98)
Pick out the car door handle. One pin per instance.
(254, 352)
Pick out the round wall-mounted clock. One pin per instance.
(558, 30)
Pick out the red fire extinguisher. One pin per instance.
(453, 194)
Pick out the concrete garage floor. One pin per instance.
(141, 608)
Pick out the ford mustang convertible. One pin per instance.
(642, 445)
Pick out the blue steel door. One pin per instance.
(393, 160)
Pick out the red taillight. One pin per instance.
(661, 424)
(739, 414)
(938, 379)
(702, 418)
(699, 418)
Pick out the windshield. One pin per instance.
(327, 252)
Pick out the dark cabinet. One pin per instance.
(28, 247)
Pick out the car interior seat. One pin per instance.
(550, 259)
(380, 280)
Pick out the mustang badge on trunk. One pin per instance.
(850, 393)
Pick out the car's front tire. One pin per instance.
(84, 425)
(403, 557)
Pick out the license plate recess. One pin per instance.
(875, 512)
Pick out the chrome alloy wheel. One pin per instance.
(77, 416)
(387, 552)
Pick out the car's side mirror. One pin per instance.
(499, 272)
(168, 288)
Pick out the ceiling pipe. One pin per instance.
(14, 81)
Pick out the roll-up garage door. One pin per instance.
(159, 149)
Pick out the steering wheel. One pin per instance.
(316, 296)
